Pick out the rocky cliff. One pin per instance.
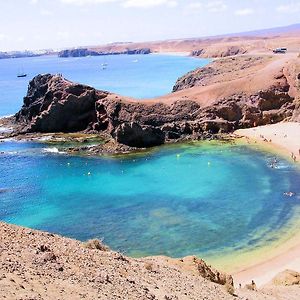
(236, 100)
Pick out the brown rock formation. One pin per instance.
(226, 95)
(53, 104)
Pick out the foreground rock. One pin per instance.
(38, 265)
(228, 94)
(41, 265)
(287, 278)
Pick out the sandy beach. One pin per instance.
(283, 138)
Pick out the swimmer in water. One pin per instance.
(289, 194)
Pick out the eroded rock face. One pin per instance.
(54, 104)
(134, 135)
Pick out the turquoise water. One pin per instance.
(201, 199)
(140, 76)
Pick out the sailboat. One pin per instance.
(21, 74)
(104, 64)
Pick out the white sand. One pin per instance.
(283, 136)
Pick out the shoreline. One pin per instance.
(283, 139)
(283, 253)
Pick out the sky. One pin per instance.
(43, 24)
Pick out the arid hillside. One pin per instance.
(220, 46)
(44, 266)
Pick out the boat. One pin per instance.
(22, 75)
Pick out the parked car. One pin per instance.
(280, 50)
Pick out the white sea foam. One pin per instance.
(52, 150)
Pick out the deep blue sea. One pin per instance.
(204, 198)
(139, 76)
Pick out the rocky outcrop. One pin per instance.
(132, 134)
(241, 92)
(221, 51)
(81, 52)
(286, 278)
(54, 104)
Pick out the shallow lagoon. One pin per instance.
(203, 198)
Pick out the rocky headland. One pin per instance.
(81, 52)
(228, 94)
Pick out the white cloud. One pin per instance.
(195, 5)
(216, 6)
(292, 7)
(148, 3)
(33, 2)
(201, 6)
(125, 3)
(244, 12)
(86, 2)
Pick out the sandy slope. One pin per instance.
(38, 265)
(259, 74)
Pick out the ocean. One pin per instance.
(139, 76)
